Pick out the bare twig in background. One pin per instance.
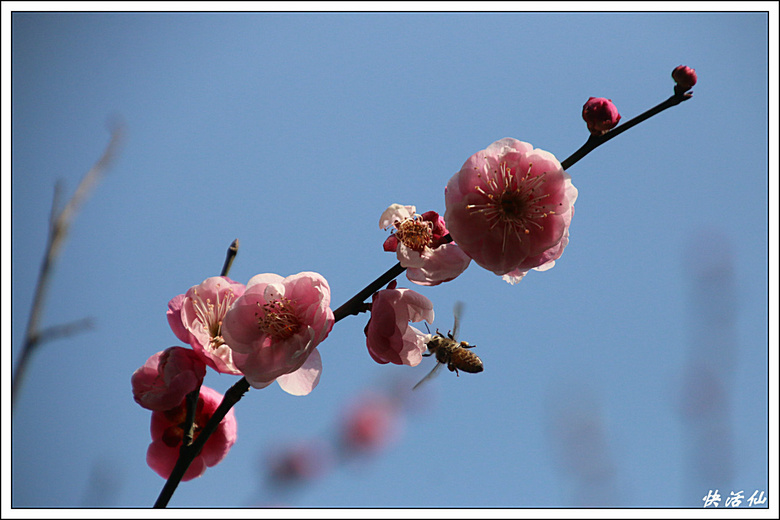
(59, 223)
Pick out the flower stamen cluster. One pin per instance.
(211, 314)
(512, 203)
(279, 319)
(422, 245)
(415, 233)
(196, 318)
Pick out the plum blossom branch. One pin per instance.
(59, 224)
(190, 448)
(357, 303)
(594, 141)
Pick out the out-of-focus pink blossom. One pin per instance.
(299, 462)
(420, 245)
(196, 317)
(389, 337)
(509, 208)
(370, 424)
(275, 327)
(168, 431)
(600, 114)
(167, 377)
(684, 76)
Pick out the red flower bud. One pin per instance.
(684, 76)
(600, 114)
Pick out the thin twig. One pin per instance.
(231, 255)
(64, 330)
(59, 224)
(594, 142)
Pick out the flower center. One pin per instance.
(514, 204)
(279, 319)
(211, 314)
(415, 233)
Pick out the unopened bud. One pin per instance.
(685, 77)
(600, 114)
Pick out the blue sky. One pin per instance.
(293, 132)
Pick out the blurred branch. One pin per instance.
(59, 223)
(64, 330)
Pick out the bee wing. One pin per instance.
(457, 310)
(430, 375)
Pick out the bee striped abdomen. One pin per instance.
(466, 360)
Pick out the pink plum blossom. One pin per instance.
(389, 337)
(421, 245)
(370, 424)
(168, 431)
(167, 377)
(275, 327)
(196, 318)
(509, 208)
(600, 115)
(299, 462)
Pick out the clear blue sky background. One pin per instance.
(293, 132)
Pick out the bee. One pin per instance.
(451, 352)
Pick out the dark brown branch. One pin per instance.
(231, 255)
(188, 453)
(595, 141)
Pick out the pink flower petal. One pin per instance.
(174, 318)
(167, 377)
(389, 337)
(303, 380)
(446, 263)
